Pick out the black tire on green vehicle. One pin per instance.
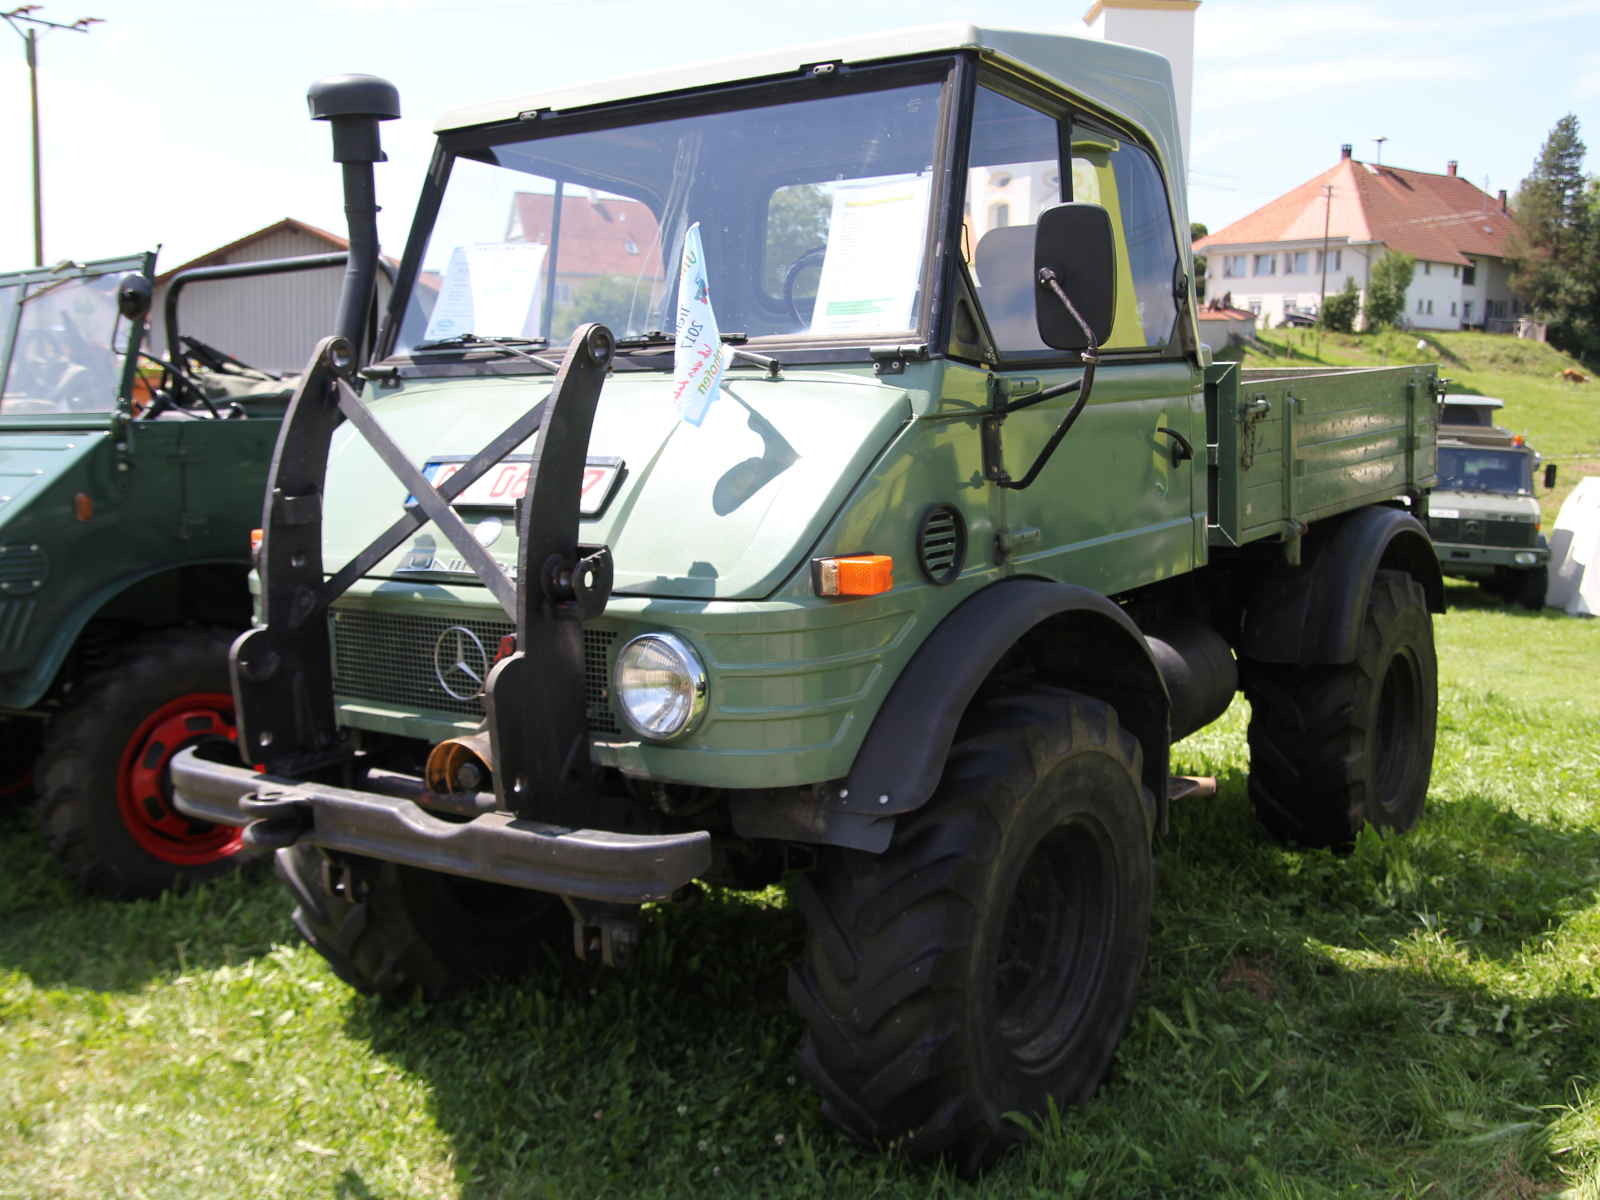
(1334, 748)
(104, 777)
(1529, 587)
(387, 928)
(986, 962)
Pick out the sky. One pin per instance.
(183, 123)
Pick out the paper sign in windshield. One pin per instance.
(504, 484)
(490, 289)
(874, 261)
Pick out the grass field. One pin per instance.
(1418, 1017)
(1421, 1016)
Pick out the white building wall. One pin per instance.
(1167, 27)
(1433, 301)
(271, 322)
(1273, 294)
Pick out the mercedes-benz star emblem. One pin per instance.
(460, 663)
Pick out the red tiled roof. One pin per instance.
(595, 234)
(1437, 218)
(1207, 313)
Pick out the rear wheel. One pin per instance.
(385, 928)
(1335, 748)
(104, 779)
(986, 962)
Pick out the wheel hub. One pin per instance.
(144, 780)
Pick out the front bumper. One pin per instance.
(587, 864)
(1481, 560)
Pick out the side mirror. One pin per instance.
(1076, 242)
(1549, 476)
(133, 296)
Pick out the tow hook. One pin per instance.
(603, 930)
(280, 818)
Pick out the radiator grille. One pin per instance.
(387, 658)
(1474, 532)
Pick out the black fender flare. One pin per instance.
(1075, 637)
(1311, 614)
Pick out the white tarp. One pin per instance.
(1574, 547)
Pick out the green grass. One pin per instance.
(1418, 1016)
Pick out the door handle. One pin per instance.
(1181, 449)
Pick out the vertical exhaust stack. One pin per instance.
(353, 105)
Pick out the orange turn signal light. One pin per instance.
(83, 506)
(255, 539)
(854, 575)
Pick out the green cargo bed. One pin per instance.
(1289, 446)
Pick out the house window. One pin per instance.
(1427, 268)
(999, 180)
(1466, 312)
(1266, 264)
(1236, 266)
(1338, 260)
(1290, 303)
(1255, 305)
(1297, 263)
(631, 247)
(1430, 308)
(1452, 308)
(1419, 308)
(1000, 214)
(1455, 271)
(1469, 277)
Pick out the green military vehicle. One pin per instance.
(1484, 515)
(129, 485)
(917, 607)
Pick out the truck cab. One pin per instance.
(1484, 516)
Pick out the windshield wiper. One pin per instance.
(463, 341)
(655, 339)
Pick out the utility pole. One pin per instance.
(1327, 222)
(30, 39)
(1380, 141)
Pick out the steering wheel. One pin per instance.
(799, 264)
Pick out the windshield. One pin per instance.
(1474, 470)
(813, 216)
(69, 348)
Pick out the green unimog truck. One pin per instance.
(1484, 514)
(971, 533)
(129, 484)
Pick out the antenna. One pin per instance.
(1380, 141)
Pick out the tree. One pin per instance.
(1554, 244)
(622, 304)
(1386, 287)
(797, 220)
(1196, 232)
(1339, 311)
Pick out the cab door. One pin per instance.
(1115, 507)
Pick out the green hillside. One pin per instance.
(1562, 420)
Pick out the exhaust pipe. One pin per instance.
(353, 105)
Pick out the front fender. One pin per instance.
(1077, 638)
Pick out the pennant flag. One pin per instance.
(699, 357)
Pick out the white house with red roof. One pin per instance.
(1271, 262)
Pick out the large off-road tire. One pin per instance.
(104, 779)
(986, 961)
(389, 928)
(1336, 748)
(21, 739)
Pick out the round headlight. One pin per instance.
(660, 686)
(1524, 559)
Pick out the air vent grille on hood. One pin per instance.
(942, 544)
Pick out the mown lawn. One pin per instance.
(1421, 1016)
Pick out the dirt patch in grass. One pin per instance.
(1257, 977)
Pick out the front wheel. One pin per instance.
(986, 962)
(1529, 588)
(388, 928)
(1333, 748)
(104, 779)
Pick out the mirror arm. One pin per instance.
(1090, 358)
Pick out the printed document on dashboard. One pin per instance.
(873, 266)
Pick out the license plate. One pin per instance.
(502, 485)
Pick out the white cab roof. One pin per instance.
(1135, 84)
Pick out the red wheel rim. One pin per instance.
(144, 781)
